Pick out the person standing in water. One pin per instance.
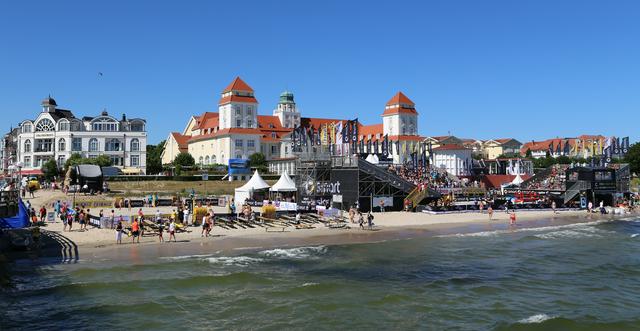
(172, 230)
(119, 230)
(490, 212)
(512, 218)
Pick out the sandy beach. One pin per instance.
(100, 243)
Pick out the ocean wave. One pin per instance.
(238, 261)
(533, 319)
(311, 252)
(531, 229)
(186, 257)
(635, 235)
(310, 284)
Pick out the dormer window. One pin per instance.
(273, 135)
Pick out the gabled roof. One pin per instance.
(207, 120)
(238, 85)
(365, 130)
(181, 140)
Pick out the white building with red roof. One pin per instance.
(455, 159)
(237, 131)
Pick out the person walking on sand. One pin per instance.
(204, 225)
(135, 231)
(172, 231)
(209, 225)
(490, 212)
(370, 221)
(553, 207)
(119, 230)
(361, 221)
(160, 230)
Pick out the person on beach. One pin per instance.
(590, 207)
(209, 225)
(370, 221)
(43, 213)
(158, 215)
(141, 224)
(361, 220)
(490, 212)
(553, 207)
(512, 218)
(160, 230)
(82, 221)
(69, 221)
(382, 205)
(172, 231)
(135, 231)
(119, 230)
(298, 216)
(204, 225)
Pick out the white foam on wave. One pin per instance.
(533, 229)
(635, 235)
(186, 257)
(309, 284)
(238, 261)
(295, 253)
(538, 318)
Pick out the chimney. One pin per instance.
(124, 117)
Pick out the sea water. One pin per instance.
(571, 277)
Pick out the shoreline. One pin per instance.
(389, 226)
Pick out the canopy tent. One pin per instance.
(517, 181)
(21, 220)
(245, 191)
(284, 184)
(372, 158)
(89, 175)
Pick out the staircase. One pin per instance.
(384, 175)
(416, 196)
(575, 189)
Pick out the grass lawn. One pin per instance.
(173, 187)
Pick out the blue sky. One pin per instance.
(476, 69)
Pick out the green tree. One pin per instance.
(50, 169)
(73, 161)
(101, 160)
(154, 158)
(258, 161)
(633, 158)
(528, 153)
(184, 159)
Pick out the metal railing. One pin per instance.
(385, 175)
(575, 189)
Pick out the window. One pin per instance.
(249, 110)
(76, 144)
(238, 143)
(61, 161)
(200, 160)
(93, 145)
(62, 145)
(104, 124)
(135, 145)
(115, 160)
(251, 143)
(274, 149)
(27, 161)
(273, 135)
(238, 111)
(249, 123)
(44, 145)
(135, 160)
(238, 156)
(238, 122)
(27, 128)
(286, 149)
(63, 125)
(206, 160)
(27, 146)
(213, 159)
(137, 126)
(76, 126)
(113, 145)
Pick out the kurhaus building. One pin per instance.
(57, 134)
(237, 131)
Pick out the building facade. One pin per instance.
(57, 134)
(237, 131)
(454, 159)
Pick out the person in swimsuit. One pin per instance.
(135, 231)
(119, 230)
(160, 230)
(172, 230)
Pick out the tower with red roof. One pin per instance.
(238, 106)
(400, 117)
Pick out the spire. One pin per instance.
(238, 85)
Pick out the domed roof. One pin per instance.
(48, 101)
(286, 97)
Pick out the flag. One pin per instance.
(375, 146)
(385, 146)
(354, 130)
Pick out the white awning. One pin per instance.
(284, 184)
(518, 180)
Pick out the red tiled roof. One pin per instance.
(237, 98)
(495, 181)
(208, 120)
(224, 132)
(400, 98)
(317, 122)
(503, 140)
(271, 123)
(238, 85)
(399, 104)
(181, 140)
(365, 130)
(450, 147)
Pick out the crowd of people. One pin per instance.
(555, 180)
(428, 177)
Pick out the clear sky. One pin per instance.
(477, 69)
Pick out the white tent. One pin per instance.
(373, 159)
(284, 184)
(246, 191)
(517, 181)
